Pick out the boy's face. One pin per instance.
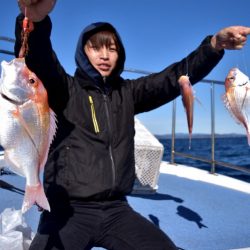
(103, 59)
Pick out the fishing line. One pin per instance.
(242, 58)
(244, 61)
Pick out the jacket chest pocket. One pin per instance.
(83, 112)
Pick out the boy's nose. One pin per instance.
(104, 52)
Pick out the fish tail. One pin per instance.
(35, 195)
(248, 138)
(190, 140)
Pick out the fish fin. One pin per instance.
(197, 99)
(53, 126)
(35, 195)
(52, 132)
(200, 103)
(237, 112)
(190, 141)
(248, 139)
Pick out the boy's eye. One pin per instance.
(94, 47)
(112, 48)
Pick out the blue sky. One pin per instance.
(155, 34)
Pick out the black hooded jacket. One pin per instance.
(92, 156)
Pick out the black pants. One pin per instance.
(109, 224)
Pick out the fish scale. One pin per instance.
(27, 127)
(237, 98)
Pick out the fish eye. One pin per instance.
(31, 81)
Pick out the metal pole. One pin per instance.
(212, 161)
(173, 131)
(212, 129)
(7, 52)
(7, 39)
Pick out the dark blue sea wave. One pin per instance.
(230, 150)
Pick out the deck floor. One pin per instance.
(196, 213)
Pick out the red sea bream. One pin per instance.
(27, 127)
(237, 98)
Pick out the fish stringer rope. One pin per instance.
(27, 28)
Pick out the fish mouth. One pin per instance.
(11, 100)
(244, 83)
(232, 78)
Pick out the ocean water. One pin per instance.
(232, 150)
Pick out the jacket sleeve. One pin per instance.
(42, 60)
(156, 89)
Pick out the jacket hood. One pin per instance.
(81, 59)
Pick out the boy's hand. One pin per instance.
(233, 37)
(36, 10)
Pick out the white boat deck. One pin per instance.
(199, 211)
(204, 176)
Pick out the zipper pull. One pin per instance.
(94, 120)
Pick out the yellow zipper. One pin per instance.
(96, 127)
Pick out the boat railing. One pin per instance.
(212, 161)
(7, 39)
